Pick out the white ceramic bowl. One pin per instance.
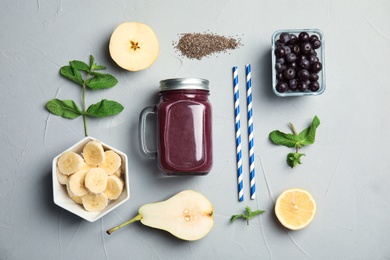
(60, 194)
(320, 54)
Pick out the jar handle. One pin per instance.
(142, 132)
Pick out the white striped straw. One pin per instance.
(250, 132)
(238, 134)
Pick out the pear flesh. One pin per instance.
(187, 215)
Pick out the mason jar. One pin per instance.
(184, 127)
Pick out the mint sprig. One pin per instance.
(295, 140)
(247, 215)
(86, 76)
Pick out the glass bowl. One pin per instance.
(319, 53)
(60, 193)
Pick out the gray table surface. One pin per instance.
(346, 170)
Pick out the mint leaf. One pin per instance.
(91, 61)
(293, 159)
(247, 215)
(255, 213)
(72, 74)
(104, 108)
(234, 217)
(280, 138)
(63, 108)
(101, 81)
(94, 66)
(295, 140)
(99, 67)
(308, 135)
(79, 65)
(83, 74)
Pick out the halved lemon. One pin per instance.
(295, 208)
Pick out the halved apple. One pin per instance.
(134, 46)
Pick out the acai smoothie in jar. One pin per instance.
(184, 129)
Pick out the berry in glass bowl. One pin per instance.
(298, 62)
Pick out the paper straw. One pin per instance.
(238, 134)
(251, 141)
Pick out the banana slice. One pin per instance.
(111, 163)
(62, 178)
(69, 162)
(75, 198)
(76, 183)
(94, 202)
(96, 180)
(114, 187)
(93, 153)
(118, 172)
(87, 166)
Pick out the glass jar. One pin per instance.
(184, 127)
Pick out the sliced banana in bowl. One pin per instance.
(90, 179)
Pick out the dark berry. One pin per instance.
(315, 41)
(291, 57)
(284, 37)
(293, 38)
(280, 60)
(316, 67)
(302, 86)
(279, 67)
(280, 52)
(302, 57)
(314, 86)
(279, 76)
(293, 65)
(281, 87)
(306, 48)
(303, 37)
(303, 74)
(313, 37)
(289, 73)
(295, 48)
(304, 64)
(287, 50)
(313, 77)
(312, 58)
(293, 84)
(278, 43)
(316, 44)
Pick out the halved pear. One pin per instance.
(188, 215)
(134, 46)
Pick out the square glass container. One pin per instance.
(60, 194)
(320, 53)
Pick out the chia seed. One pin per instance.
(199, 45)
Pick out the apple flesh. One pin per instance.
(134, 46)
(187, 215)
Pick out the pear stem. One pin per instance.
(136, 218)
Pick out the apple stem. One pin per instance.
(136, 218)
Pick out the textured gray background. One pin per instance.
(346, 170)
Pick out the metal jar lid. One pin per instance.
(184, 83)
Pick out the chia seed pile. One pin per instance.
(199, 45)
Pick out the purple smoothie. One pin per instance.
(184, 132)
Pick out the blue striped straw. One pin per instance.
(238, 134)
(250, 132)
